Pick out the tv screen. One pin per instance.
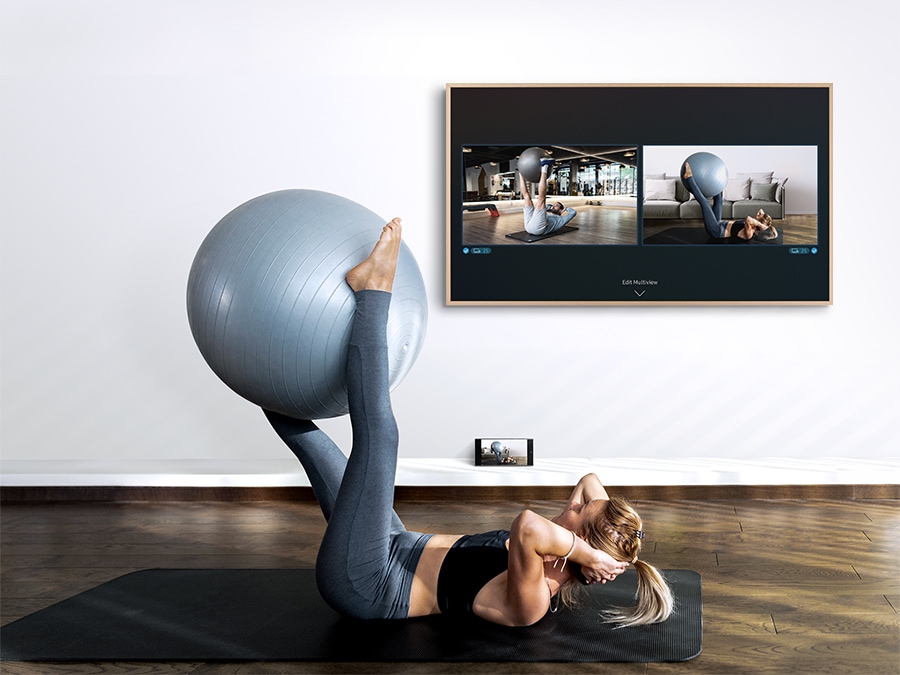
(639, 194)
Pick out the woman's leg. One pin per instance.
(322, 460)
(364, 569)
(714, 225)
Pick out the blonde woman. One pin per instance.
(759, 226)
(370, 566)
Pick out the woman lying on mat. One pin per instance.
(759, 226)
(370, 566)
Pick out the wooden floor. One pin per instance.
(609, 226)
(797, 230)
(790, 587)
(597, 225)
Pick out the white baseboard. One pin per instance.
(455, 472)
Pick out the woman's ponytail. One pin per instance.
(618, 532)
(654, 599)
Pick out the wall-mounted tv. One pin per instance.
(639, 194)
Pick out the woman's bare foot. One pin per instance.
(687, 170)
(376, 273)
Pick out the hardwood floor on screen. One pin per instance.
(597, 225)
(796, 229)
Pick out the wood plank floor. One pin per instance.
(789, 586)
(597, 225)
(609, 226)
(796, 229)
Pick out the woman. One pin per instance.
(759, 227)
(370, 566)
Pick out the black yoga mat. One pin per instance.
(530, 238)
(277, 615)
(697, 235)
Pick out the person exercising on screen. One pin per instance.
(540, 219)
(759, 226)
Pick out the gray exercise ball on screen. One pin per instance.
(709, 171)
(529, 163)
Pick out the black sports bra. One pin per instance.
(470, 563)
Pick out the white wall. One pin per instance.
(129, 129)
(797, 163)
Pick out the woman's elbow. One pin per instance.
(528, 529)
(526, 523)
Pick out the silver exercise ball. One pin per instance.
(710, 172)
(529, 163)
(271, 312)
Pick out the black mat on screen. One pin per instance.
(698, 235)
(529, 238)
(277, 615)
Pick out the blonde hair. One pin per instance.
(618, 532)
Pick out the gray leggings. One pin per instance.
(712, 215)
(367, 559)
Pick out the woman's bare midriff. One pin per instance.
(423, 594)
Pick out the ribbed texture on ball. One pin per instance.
(709, 171)
(270, 309)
